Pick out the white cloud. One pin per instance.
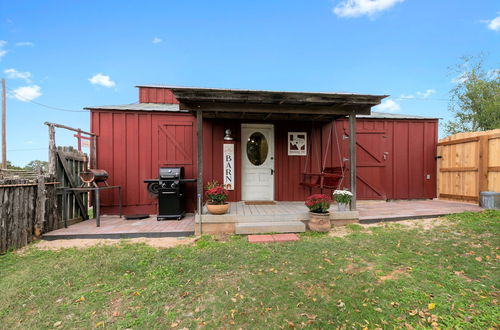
(103, 80)
(157, 40)
(356, 8)
(407, 97)
(14, 74)
(426, 94)
(493, 24)
(2, 51)
(388, 106)
(26, 93)
(25, 43)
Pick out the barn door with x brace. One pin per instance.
(372, 153)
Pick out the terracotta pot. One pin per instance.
(319, 221)
(218, 208)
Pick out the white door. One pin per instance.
(257, 144)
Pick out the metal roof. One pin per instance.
(139, 107)
(221, 95)
(386, 115)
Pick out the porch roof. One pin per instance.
(231, 103)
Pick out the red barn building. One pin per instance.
(282, 142)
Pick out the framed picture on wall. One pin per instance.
(297, 143)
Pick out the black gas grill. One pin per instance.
(169, 187)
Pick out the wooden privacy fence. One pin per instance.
(468, 164)
(29, 209)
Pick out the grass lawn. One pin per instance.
(381, 277)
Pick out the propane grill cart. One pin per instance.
(169, 187)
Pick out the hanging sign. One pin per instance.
(228, 162)
(297, 143)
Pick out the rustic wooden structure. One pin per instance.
(468, 164)
(66, 164)
(29, 209)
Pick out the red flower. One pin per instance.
(217, 195)
(318, 203)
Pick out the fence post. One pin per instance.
(41, 197)
(52, 150)
(483, 164)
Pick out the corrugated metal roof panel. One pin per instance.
(208, 89)
(386, 115)
(139, 107)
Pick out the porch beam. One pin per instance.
(352, 158)
(199, 182)
(332, 109)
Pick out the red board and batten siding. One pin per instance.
(394, 155)
(156, 95)
(131, 146)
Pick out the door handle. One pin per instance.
(385, 155)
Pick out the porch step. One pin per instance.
(270, 227)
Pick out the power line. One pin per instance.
(44, 105)
(28, 149)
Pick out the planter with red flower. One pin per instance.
(319, 216)
(216, 196)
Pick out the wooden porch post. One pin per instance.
(352, 158)
(199, 182)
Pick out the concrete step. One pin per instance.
(270, 227)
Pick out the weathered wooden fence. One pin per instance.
(28, 209)
(469, 163)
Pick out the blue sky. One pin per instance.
(71, 54)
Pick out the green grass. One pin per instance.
(384, 277)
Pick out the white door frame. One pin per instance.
(269, 160)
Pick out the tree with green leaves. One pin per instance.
(34, 165)
(475, 99)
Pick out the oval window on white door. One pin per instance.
(257, 149)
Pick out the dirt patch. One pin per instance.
(159, 243)
(424, 224)
(395, 274)
(340, 231)
(356, 268)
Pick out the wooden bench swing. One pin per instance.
(330, 177)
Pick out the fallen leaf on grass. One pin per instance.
(431, 306)
(57, 324)
(81, 299)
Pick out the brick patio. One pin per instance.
(370, 211)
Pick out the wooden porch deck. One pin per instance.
(369, 211)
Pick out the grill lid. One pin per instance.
(170, 173)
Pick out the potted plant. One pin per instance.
(342, 197)
(319, 217)
(216, 198)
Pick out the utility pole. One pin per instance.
(4, 119)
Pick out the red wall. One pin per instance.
(156, 95)
(131, 146)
